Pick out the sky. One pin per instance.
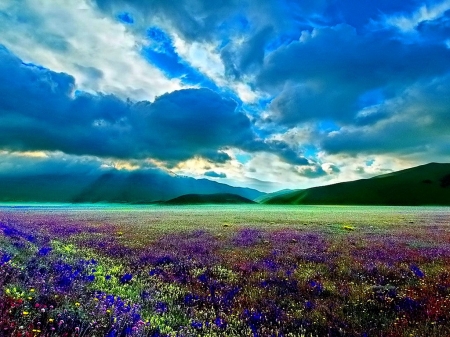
(267, 94)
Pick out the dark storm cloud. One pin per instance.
(325, 74)
(41, 111)
(286, 152)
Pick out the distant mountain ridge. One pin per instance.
(216, 198)
(422, 185)
(113, 186)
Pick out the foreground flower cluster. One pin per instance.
(60, 277)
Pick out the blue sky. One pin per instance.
(269, 94)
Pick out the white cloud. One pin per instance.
(71, 36)
(408, 23)
(206, 58)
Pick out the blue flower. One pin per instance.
(197, 325)
(416, 270)
(203, 278)
(191, 299)
(126, 278)
(44, 251)
(161, 307)
(90, 278)
(316, 286)
(309, 305)
(112, 333)
(5, 258)
(221, 324)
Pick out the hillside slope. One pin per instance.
(422, 185)
(216, 198)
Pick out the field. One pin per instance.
(224, 271)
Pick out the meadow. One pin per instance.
(253, 270)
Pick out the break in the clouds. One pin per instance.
(283, 94)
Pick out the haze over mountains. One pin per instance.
(114, 186)
(423, 185)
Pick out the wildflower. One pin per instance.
(197, 325)
(25, 313)
(309, 305)
(221, 324)
(416, 270)
(32, 290)
(77, 304)
(161, 307)
(44, 251)
(126, 278)
(50, 320)
(5, 258)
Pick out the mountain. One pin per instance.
(422, 185)
(216, 198)
(263, 198)
(115, 186)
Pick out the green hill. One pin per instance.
(216, 198)
(422, 185)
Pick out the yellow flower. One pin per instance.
(25, 313)
(30, 298)
(50, 320)
(32, 290)
(77, 304)
(108, 311)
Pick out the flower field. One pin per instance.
(224, 271)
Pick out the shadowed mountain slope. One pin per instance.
(422, 185)
(216, 198)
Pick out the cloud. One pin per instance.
(335, 68)
(409, 22)
(48, 33)
(214, 174)
(314, 171)
(41, 111)
(416, 125)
